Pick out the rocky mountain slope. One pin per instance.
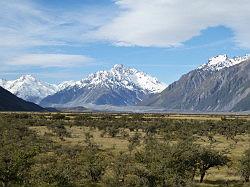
(10, 102)
(222, 84)
(120, 86)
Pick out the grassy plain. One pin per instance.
(78, 124)
(215, 176)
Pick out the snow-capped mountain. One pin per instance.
(29, 88)
(221, 85)
(118, 86)
(222, 61)
(121, 76)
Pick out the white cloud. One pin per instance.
(166, 23)
(158, 23)
(25, 24)
(50, 60)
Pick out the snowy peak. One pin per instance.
(222, 61)
(119, 86)
(218, 59)
(26, 78)
(65, 85)
(121, 76)
(29, 88)
(118, 67)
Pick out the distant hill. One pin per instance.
(222, 84)
(10, 102)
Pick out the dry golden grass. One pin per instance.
(78, 137)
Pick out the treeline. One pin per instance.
(175, 159)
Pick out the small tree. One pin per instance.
(93, 160)
(208, 158)
(112, 131)
(134, 141)
(60, 130)
(245, 166)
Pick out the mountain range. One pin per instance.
(31, 89)
(120, 86)
(221, 84)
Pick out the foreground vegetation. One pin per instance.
(55, 149)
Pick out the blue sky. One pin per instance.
(58, 40)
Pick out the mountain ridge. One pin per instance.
(222, 89)
(10, 102)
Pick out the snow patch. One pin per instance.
(29, 88)
(123, 77)
(222, 61)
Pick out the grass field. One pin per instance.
(77, 125)
(214, 176)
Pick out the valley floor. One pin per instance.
(100, 149)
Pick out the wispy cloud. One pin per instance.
(51, 60)
(26, 24)
(167, 23)
(147, 23)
